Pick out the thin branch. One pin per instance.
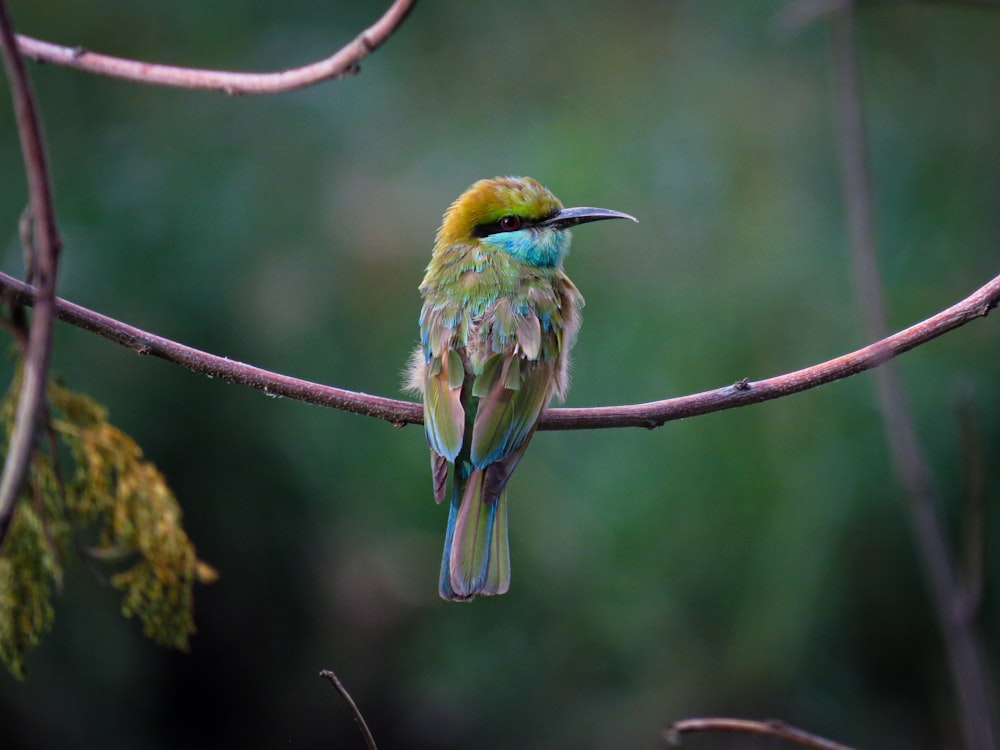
(359, 719)
(770, 728)
(339, 65)
(46, 243)
(965, 654)
(744, 392)
(223, 368)
(649, 415)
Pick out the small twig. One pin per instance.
(341, 64)
(966, 656)
(770, 728)
(45, 238)
(355, 711)
(648, 415)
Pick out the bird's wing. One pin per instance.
(444, 415)
(511, 393)
(439, 475)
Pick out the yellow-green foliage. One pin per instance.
(118, 508)
(28, 568)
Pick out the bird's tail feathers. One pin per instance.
(476, 556)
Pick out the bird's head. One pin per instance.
(516, 215)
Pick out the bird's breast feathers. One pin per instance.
(539, 322)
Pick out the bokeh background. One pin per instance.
(755, 562)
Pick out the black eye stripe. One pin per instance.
(495, 227)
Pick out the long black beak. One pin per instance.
(570, 217)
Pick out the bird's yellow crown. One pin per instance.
(489, 201)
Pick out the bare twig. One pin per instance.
(769, 728)
(965, 654)
(45, 238)
(359, 719)
(343, 63)
(649, 415)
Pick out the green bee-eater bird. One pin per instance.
(499, 319)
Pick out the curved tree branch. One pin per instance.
(649, 415)
(744, 392)
(771, 728)
(271, 383)
(339, 65)
(43, 266)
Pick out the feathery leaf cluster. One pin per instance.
(116, 509)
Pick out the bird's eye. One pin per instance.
(510, 223)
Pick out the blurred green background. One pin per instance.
(754, 562)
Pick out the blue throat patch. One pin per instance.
(543, 248)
